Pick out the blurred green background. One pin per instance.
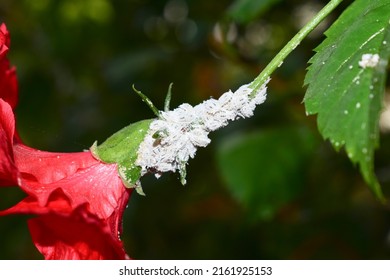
(266, 188)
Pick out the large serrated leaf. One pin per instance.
(346, 96)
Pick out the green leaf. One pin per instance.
(244, 11)
(346, 96)
(122, 148)
(265, 170)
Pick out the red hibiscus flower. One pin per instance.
(78, 200)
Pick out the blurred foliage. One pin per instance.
(244, 11)
(76, 62)
(261, 171)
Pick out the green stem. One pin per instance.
(292, 44)
(168, 98)
(148, 102)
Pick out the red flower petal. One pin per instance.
(81, 177)
(48, 167)
(8, 170)
(79, 200)
(4, 40)
(8, 99)
(58, 203)
(76, 236)
(62, 232)
(8, 81)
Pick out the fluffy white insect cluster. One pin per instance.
(369, 60)
(174, 137)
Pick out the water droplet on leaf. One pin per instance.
(358, 105)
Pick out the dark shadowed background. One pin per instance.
(266, 188)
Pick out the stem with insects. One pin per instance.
(292, 44)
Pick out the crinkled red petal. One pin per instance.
(78, 235)
(8, 171)
(4, 40)
(82, 178)
(79, 200)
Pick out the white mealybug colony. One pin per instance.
(369, 60)
(173, 138)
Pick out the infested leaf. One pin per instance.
(346, 88)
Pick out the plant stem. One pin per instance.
(292, 44)
(148, 102)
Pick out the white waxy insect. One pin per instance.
(174, 136)
(369, 60)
